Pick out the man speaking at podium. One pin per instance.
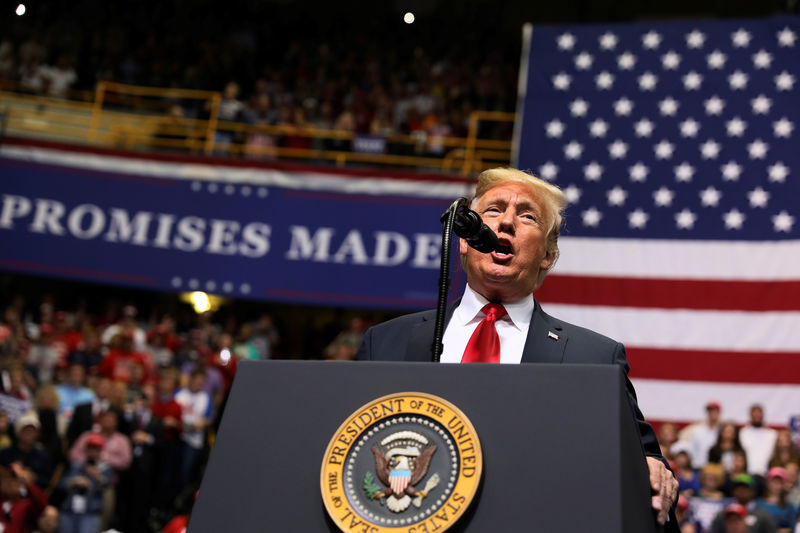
(498, 321)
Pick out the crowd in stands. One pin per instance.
(734, 479)
(369, 81)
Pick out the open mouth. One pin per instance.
(503, 250)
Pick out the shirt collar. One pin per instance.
(519, 311)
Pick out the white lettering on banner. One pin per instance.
(121, 228)
(13, 207)
(305, 246)
(223, 237)
(428, 250)
(383, 243)
(46, 217)
(353, 245)
(218, 236)
(97, 221)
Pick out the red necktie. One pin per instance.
(484, 345)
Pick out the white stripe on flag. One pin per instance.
(688, 329)
(664, 400)
(670, 259)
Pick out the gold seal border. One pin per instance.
(332, 475)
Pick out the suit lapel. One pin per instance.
(546, 339)
(421, 336)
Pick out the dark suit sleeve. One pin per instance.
(364, 352)
(646, 433)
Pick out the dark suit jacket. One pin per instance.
(409, 338)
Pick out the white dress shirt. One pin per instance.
(512, 328)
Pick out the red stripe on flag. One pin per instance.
(735, 367)
(672, 294)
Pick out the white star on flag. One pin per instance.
(593, 171)
(604, 80)
(689, 127)
(733, 219)
(710, 149)
(578, 107)
(692, 81)
(647, 81)
(783, 221)
(566, 41)
(783, 127)
(626, 61)
(598, 127)
(762, 59)
(573, 150)
(695, 39)
(684, 172)
(561, 81)
(664, 149)
(685, 219)
(714, 105)
(668, 106)
(616, 196)
(784, 81)
(638, 172)
(555, 128)
(591, 217)
(638, 219)
(710, 196)
(617, 149)
(670, 60)
(736, 127)
(741, 38)
(643, 127)
(778, 172)
(583, 61)
(757, 149)
(731, 171)
(548, 171)
(608, 41)
(758, 197)
(786, 37)
(573, 194)
(716, 59)
(663, 197)
(761, 104)
(623, 106)
(651, 40)
(738, 80)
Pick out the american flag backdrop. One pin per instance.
(678, 147)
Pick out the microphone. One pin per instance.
(469, 226)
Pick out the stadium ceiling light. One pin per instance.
(408, 18)
(20, 10)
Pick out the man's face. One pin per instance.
(713, 415)
(756, 417)
(516, 215)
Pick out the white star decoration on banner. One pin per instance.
(626, 61)
(598, 128)
(651, 40)
(733, 219)
(689, 127)
(608, 41)
(761, 104)
(573, 194)
(573, 150)
(583, 61)
(555, 128)
(736, 127)
(695, 39)
(566, 41)
(758, 197)
(663, 197)
(731, 171)
(593, 171)
(741, 38)
(638, 172)
(670, 60)
(548, 171)
(786, 37)
(783, 127)
(616, 196)
(685, 219)
(783, 221)
(716, 60)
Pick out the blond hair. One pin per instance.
(552, 198)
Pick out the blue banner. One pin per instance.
(233, 239)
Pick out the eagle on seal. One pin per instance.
(401, 461)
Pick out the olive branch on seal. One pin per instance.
(372, 489)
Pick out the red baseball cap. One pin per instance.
(778, 471)
(96, 439)
(713, 405)
(736, 508)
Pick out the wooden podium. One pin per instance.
(560, 447)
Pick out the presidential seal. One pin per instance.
(406, 462)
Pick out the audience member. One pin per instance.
(758, 441)
(74, 391)
(20, 499)
(727, 444)
(704, 435)
(757, 520)
(48, 521)
(709, 500)
(775, 502)
(84, 485)
(785, 450)
(196, 409)
(27, 452)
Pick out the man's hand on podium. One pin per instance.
(664, 486)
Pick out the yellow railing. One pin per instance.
(134, 117)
